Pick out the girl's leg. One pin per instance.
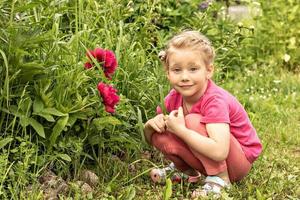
(186, 159)
(177, 151)
(236, 165)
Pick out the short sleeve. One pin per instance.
(215, 110)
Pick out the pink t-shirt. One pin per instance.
(218, 106)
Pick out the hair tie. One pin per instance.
(162, 55)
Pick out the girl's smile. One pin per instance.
(185, 86)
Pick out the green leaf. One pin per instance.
(102, 122)
(5, 141)
(86, 155)
(28, 6)
(259, 196)
(58, 128)
(30, 70)
(38, 105)
(53, 111)
(24, 121)
(13, 109)
(65, 157)
(48, 117)
(129, 193)
(161, 99)
(37, 127)
(6, 81)
(212, 32)
(141, 124)
(80, 115)
(72, 120)
(96, 139)
(24, 105)
(168, 189)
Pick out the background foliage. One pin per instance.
(52, 116)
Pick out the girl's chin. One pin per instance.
(186, 94)
(190, 95)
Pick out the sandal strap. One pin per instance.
(162, 173)
(193, 179)
(178, 177)
(171, 167)
(216, 180)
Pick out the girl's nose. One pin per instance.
(184, 76)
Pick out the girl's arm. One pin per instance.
(156, 124)
(216, 146)
(148, 131)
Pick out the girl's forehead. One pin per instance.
(185, 55)
(185, 51)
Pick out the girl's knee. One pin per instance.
(165, 142)
(159, 139)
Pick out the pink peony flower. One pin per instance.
(109, 96)
(106, 59)
(88, 65)
(99, 54)
(110, 63)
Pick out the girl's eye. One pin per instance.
(193, 69)
(176, 70)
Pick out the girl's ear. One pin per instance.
(210, 71)
(168, 74)
(167, 71)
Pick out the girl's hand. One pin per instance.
(157, 123)
(175, 121)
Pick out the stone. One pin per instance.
(89, 177)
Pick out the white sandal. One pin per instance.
(213, 185)
(158, 175)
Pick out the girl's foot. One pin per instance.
(178, 177)
(213, 185)
(158, 175)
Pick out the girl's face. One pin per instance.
(188, 73)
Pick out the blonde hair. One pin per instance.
(189, 39)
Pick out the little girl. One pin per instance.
(207, 130)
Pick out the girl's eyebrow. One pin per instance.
(175, 65)
(192, 63)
